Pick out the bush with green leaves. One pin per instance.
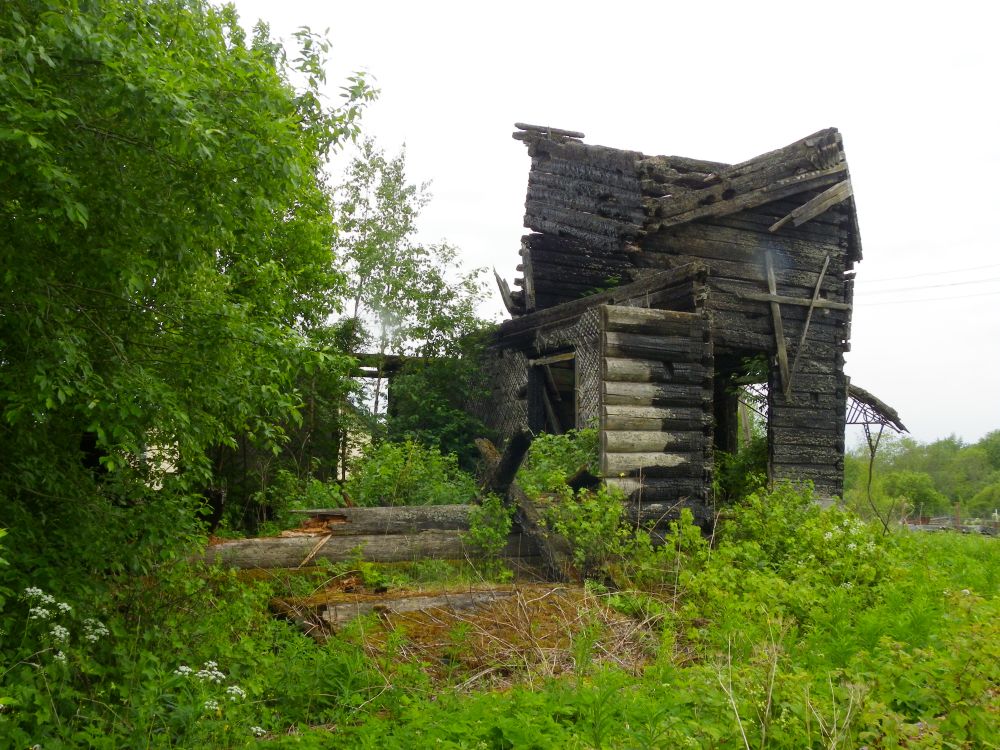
(490, 523)
(409, 473)
(552, 459)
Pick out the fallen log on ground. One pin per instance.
(336, 612)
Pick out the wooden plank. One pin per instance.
(774, 299)
(547, 130)
(552, 359)
(508, 301)
(779, 333)
(816, 206)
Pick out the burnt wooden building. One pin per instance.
(652, 284)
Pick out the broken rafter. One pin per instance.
(805, 328)
(820, 204)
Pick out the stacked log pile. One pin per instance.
(656, 420)
(385, 534)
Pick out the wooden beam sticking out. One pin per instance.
(777, 190)
(805, 328)
(554, 549)
(500, 469)
(779, 331)
(505, 295)
(823, 304)
(552, 359)
(546, 130)
(818, 205)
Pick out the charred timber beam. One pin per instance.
(816, 206)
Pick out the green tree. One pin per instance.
(408, 298)
(165, 234)
(918, 489)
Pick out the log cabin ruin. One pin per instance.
(652, 284)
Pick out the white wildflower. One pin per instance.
(39, 613)
(93, 630)
(847, 585)
(59, 633)
(60, 657)
(64, 608)
(33, 592)
(828, 536)
(211, 673)
(852, 546)
(47, 599)
(211, 705)
(258, 731)
(183, 670)
(235, 692)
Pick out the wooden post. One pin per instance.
(779, 331)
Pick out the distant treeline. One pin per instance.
(928, 479)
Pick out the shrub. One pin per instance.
(552, 459)
(409, 474)
(489, 528)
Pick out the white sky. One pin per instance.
(913, 87)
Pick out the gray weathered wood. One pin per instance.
(779, 333)
(398, 519)
(339, 611)
(290, 552)
(816, 206)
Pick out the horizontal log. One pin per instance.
(799, 453)
(655, 394)
(624, 319)
(398, 519)
(710, 241)
(630, 370)
(291, 552)
(653, 464)
(659, 490)
(593, 199)
(822, 304)
(833, 285)
(644, 441)
(654, 346)
(680, 212)
(678, 277)
(702, 422)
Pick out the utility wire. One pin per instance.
(928, 273)
(925, 299)
(933, 286)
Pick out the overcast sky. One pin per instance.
(913, 87)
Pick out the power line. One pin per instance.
(928, 273)
(934, 286)
(925, 299)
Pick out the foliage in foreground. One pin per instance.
(800, 627)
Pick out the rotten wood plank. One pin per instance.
(816, 206)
